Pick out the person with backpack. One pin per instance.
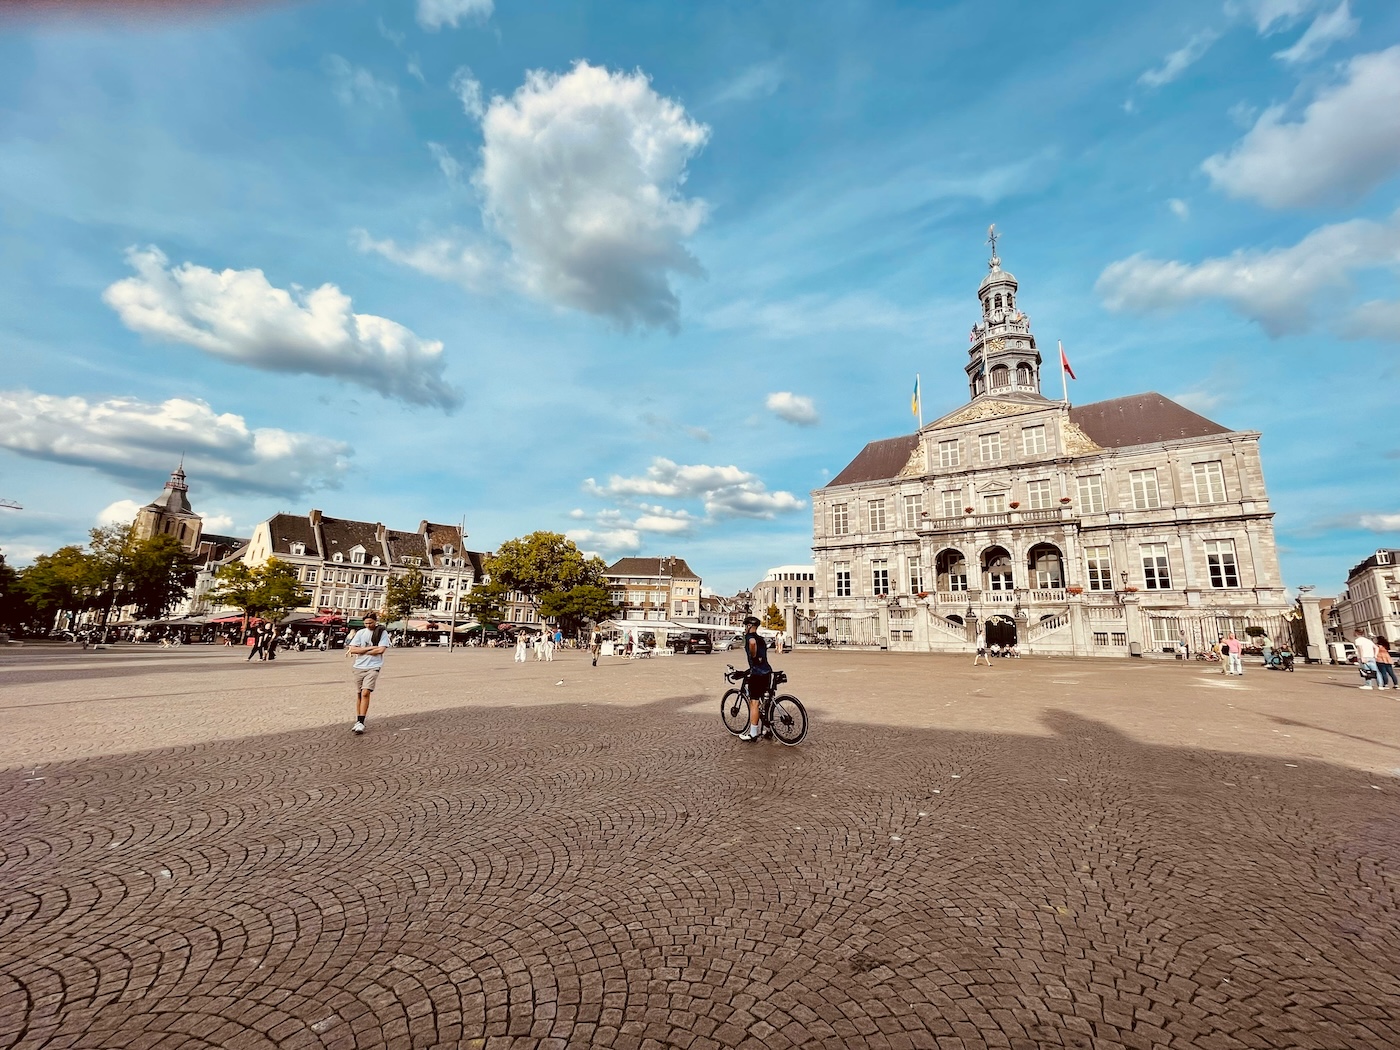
(368, 647)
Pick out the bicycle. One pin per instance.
(781, 715)
(171, 643)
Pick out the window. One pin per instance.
(1156, 574)
(1145, 494)
(952, 503)
(1210, 482)
(1100, 568)
(999, 576)
(913, 510)
(375, 560)
(337, 556)
(880, 576)
(989, 447)
(298, 548)
(811, 594)
(916, 575)
(877, 515)
(1091, 494)
(994, 503)
(843, 580)
(948, 453)
(1032, 440)
(449, 549)
(787, 596)
(1166, 633)
(1038, 495)
(840, 523)
(1220, 560)
(310, 575)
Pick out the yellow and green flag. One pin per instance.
(914, 402)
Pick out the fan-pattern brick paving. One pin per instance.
(538, 867)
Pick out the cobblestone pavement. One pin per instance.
(953, 859)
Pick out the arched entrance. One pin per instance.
(950, 568)
(1046, 566)
(996, 570)
(1001, 630)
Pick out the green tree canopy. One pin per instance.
(543, 562)
(773, 619)
(69, 580)
(486, 603)
(578, 605)
(270, 589)
(404, 593)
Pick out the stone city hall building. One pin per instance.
(1113, 528)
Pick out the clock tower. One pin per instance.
(1002, 360)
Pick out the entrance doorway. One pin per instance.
(1001, 630)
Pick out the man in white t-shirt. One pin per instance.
(367, 646)
(1366, 656)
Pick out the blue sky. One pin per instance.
(648, 273)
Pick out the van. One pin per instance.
(1341, 652)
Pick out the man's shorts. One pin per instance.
(366, 678)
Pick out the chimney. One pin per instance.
(315, 518)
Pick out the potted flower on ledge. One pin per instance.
(1129, 589)
(1064, 499)
(1074, 589)
(967, 510)
(1013, 504)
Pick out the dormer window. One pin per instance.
(298, 548)
(337, 556)
(1382, 557)
(448, 549)
(374, 560)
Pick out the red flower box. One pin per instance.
(967, 510)
(1064, 499)
(1013, 504)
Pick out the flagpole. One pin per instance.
(1064, 383)
(919, 390)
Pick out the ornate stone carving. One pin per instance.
(989, 410)
(1075, 441)
(917, 466)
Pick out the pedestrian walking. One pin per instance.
(548, 646)
(982, 655)
(368, 647)
(1366, 658)
(520, 648)
(1233, 646)
(254, 643)
(1385, 666)
(595, 644)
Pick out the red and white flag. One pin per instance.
(1064, 363)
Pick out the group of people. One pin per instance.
(544, 645)
(1230, 649)
(1373, 656)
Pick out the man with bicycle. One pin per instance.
(760, 674)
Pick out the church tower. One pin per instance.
(1003, 360)
(170, 513)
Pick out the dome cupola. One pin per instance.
(1003, 358)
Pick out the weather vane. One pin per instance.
(992, 238)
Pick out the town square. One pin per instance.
(692, 524)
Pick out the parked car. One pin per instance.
(725, 644)
(691, 642)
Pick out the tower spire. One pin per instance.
(994, 263)
(1002, 359)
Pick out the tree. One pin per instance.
(17, 610)
(486, 602)
(236, 584)
(540, 563)
(403, 594)
(159, 572)
(572, 608)
(773, 619)
(270, 589)
(68, 580)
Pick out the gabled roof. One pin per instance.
(877, 461)
(1140, 419)
(344, 534)
(404, 545)
(285, 529)
(651, 567)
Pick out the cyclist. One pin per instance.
(759, 676)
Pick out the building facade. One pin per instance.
(1370, 604)
(792, 588)
(654, 589)
(346, 564)
(1115, 528)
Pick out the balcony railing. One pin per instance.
(964, 522)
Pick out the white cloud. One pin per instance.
(1180, 60)
(1347, 142)
(357, 86)
(664, 520)
(1380, 522)
(450, 165)
(606, 541)
(240, 317)
(122, 512)
(725, 492)
(1271, 16)
(434, 14)
(1279, 287)
(1199, 400)
(448, 258)
(1179, 208)
(1326, 29)
(468, 91)
(580, 176)
(794, 408)
(757, 81)
(132, 439)
(218, 523)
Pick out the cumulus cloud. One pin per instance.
(434, 14)
(122, 512)
(1180, 60)
(239, 316)
(1279, 288)
(357, 86)
(132, 439)
(1380, 522)
(468, 91)
(725, 492)
(219, 523)
(793, 407)
(580, 179)
(606, 541)
(1346, 143)
(1325, 30)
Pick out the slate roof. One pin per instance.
(651, 567)
(343, 534)
(877, 461)
(1140, 419)
(286, 529)
(404, 545)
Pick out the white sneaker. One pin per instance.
(1365, 687)
(750, 733)
(359, 727)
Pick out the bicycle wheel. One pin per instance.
(734, 711)
(788, 719)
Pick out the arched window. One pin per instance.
(950, 570)
(996, 569)
(1046, 566)
(1024, 376)
(998, 302)
(1001, 377)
